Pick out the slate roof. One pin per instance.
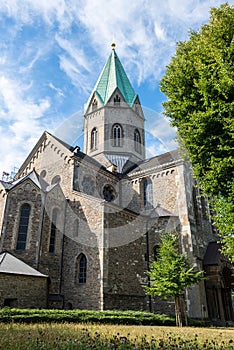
(11, 265)
(157, 161)
(113, 76)
(212, 255)
(6, 185)
(158, 212)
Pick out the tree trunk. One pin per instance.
(185, 311)
(178, 311)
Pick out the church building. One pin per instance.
(85, 224)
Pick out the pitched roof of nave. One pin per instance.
(72, 151)
(113, 76)
(10, 264)
(155, 162)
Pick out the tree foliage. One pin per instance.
(199, 85)
(171, 273)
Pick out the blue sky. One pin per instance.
(52, 52)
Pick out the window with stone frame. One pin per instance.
(53, 230)
(82, 269)
(23, 226)
(117, 100)
(94, 105)
(94, 139)
(137, 141)
(147, 193)
(75, 176)
(109, 193)
(117, 135)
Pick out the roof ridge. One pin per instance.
(113, 76)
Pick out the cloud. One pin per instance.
(20, 122)
(53, 51)
(58, 90)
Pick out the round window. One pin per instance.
(109, 193)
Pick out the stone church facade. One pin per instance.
(92, 220)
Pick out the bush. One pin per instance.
(83, 316)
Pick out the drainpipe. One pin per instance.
(62, 247)
(40, 230)
(147, 264)
(4, 222)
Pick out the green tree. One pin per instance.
(171, 273)
(199, 85)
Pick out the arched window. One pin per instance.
(117, 100)
(137, 141)
(76, 228)
(94, 105)
(117, 135)
(82, 269)
(53, 230)
(94, 138)
(23, 227)
(148, 194)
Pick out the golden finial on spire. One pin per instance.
(113, 46)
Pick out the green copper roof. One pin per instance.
(113, 76)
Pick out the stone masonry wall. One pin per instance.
(28, 193)
(86, 212)
(24, 291)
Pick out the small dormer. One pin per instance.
(94, 104)
(117, 100)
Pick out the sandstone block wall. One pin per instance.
(23, 291)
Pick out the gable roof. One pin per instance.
(6, 185)
(46, 135)
(154, 162)
(11, 265)
(113, 76)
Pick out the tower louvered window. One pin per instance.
(116, 100)
(94, 139)
(23, 227)
(117, 135)
(94, 105)
(137, 141)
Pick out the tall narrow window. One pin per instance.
(23, 227)
(94, 105)
(116, 100)
(82, 269)
(76, 228)
(53, 230)
(148, 194)
(117, 135)
(94, 138)
(137, 141)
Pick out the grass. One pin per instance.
(97, 336)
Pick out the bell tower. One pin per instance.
(113, 119)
